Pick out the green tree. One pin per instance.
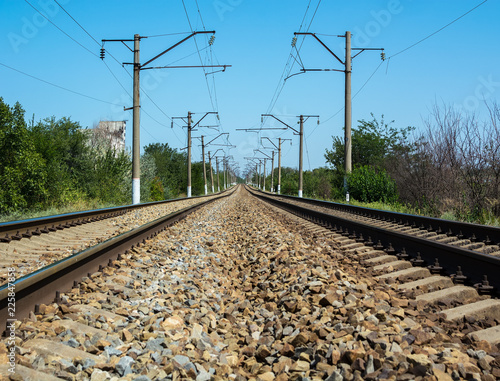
(197, 184)
(289, 181)
(22, 174)
(63, 145)
(375, 144)
(171, 167)
(109, 178)
(156, 190)
(318, 183)
(367, 184)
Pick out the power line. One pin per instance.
(216, 105)
(77, 23)
(163, 112)
(307, 153)
(59, 87)
(314, 15)
(107, 66)
(77, 93)
(369, 78)
(109, 69)
(281, 83)
(354, 96)
(278, 90)
(439, 30)
(46, 18)
(201, 18)
(167, 34)
(409, 47)
(116, 78)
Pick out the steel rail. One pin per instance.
(29, 226)
(474, 265)
(42, 286)
(474, 232)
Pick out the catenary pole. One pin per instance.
(301, 144)
(224, 169)
(264, 185)
(301, 154)
(272, 172)
(211, 171)
(279, 165)
(218, 177)
(136, 132)
(189, 154)
(204, 169)
(348, 110)
(136, 182)
(347, 63)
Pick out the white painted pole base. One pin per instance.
(212, 189)
(300, 193)
(136, 191)
(189, 192)
(279, 189)
(206, 190)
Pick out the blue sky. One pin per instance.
(459, 66)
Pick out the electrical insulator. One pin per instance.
(294, 41)
(382, 56)
(102, 53)
(211, 41)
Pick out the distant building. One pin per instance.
(109, 134)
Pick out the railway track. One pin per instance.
(470, 251)
(241, 290)
(29, 245)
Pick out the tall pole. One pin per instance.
(189, 154)
(301, 147)
(301, 154)
(204, 169)
(136, 145)
(260, 166)
(279, 165)
(218, 177)
(257, 175)
(348, 98)
(272, 173)
(224, 170)
(264, 186)
(211, 172)
(348, 111)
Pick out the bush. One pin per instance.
(367, 184)
(156, 190)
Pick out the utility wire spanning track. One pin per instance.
(420, 239)
(42, 285)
